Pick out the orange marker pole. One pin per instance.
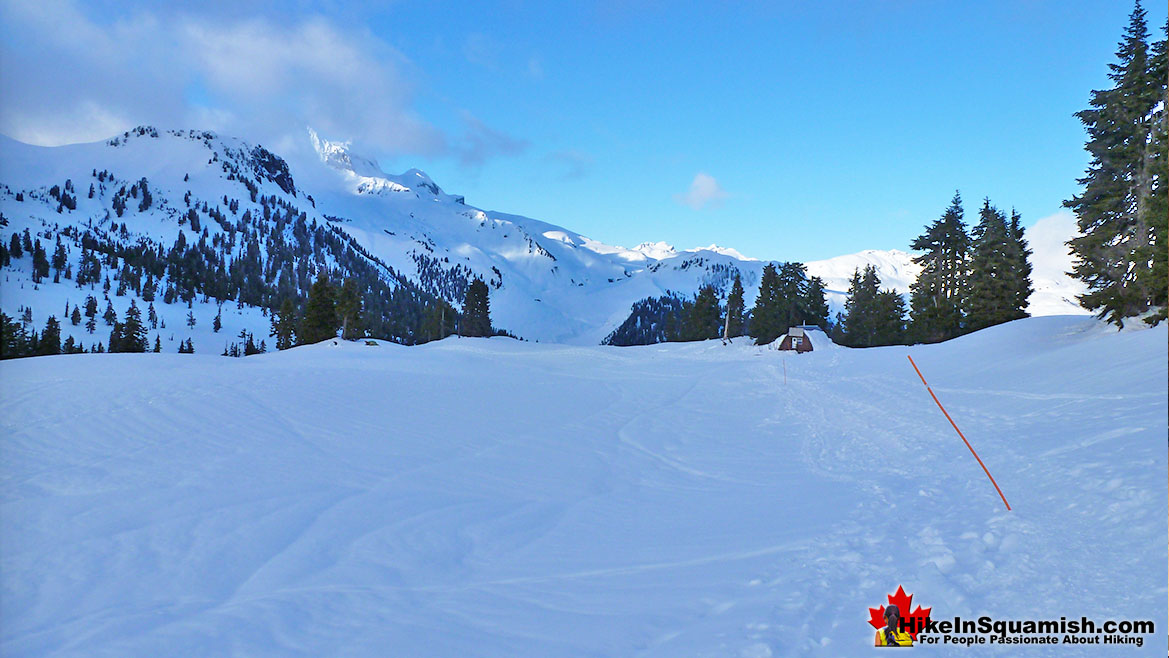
(984, 469)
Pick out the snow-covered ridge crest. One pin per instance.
(364, 174)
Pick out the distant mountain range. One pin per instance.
(242, 206)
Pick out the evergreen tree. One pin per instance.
(765, 316)
(438, 321)
(115, 342)
(938, 293)
(792, 293)
(110, 316)
(873, 316)
(860, 310)
(476, 320)
(349, 310)
(15, 339)
(284, 325)
(14, 247)
(702, 320)
(320, 314)
(60, 257)
(1019, 257)
(191, 319)
(75, 317)
(217, 323)
(250, 346)
(836, 333)
(734, 312)
(133, 334)
(1157, 199)
(50, 339)
(1121, 211)
(815, 303)
(157, 345)
(888, 318)
(40, 262)
(992, 290)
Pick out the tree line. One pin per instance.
(969, 280)
(787, 297)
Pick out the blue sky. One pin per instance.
(794, 131)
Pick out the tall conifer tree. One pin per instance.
(764, 325)
(1121, 211)
(349, 310)
(816, 303)
(938, 292)
(734, 312)
(702, 318)
(320, 320)
(992, 290)
(476, 320)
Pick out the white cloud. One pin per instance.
(68, 75)
(704, 192)
(1051, 260)
(1051, 257)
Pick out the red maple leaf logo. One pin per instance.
(913, 622)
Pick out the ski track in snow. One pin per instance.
(493, 498)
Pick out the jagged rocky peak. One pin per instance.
(338, 155)
(370, 179)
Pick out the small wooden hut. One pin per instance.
(796, 340)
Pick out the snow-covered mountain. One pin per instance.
(244, 207)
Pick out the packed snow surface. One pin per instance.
(487, 497)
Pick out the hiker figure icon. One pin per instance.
(892, 635)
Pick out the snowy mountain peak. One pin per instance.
(656, 250)
(338, 156)
(725, 251)
(365, 175)
(418, 178)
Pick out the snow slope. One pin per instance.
(1055, 291)
(495, 498)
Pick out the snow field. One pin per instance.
(495, 498)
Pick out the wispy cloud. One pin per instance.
(704, 192)
(481, 142)
(482, 50)
(570, 164)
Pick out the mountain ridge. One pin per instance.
(548, 282)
